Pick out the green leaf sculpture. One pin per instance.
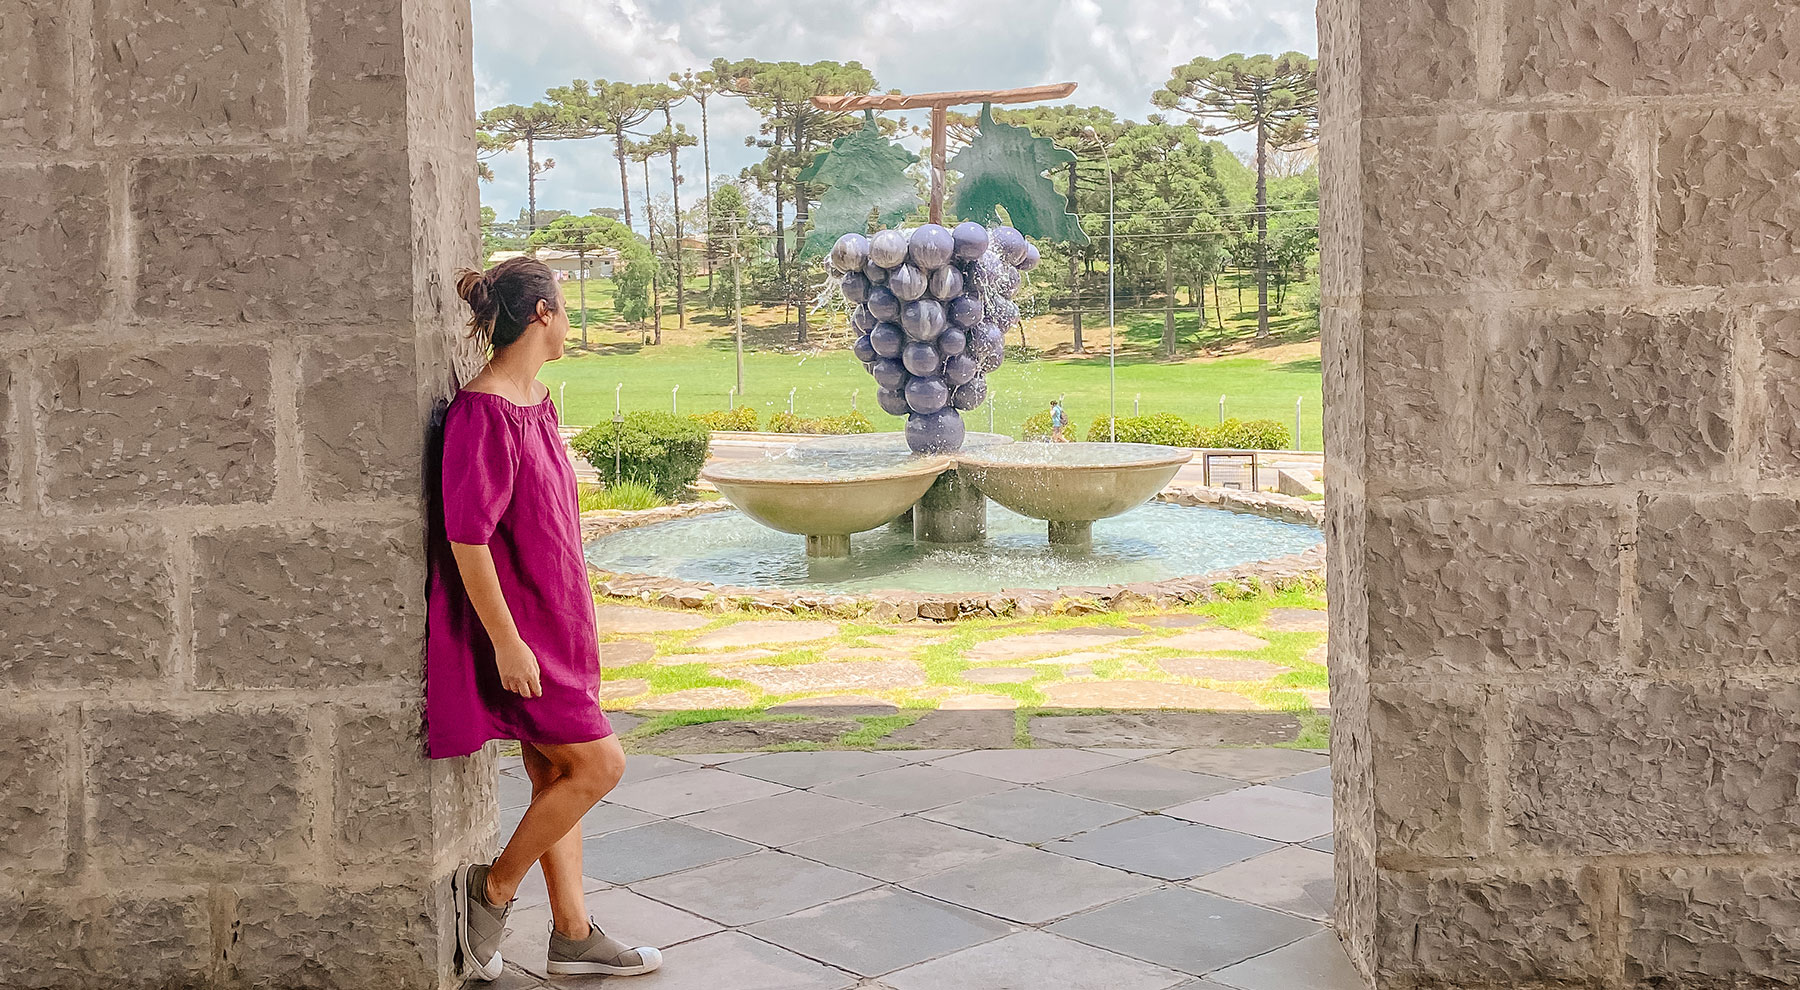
(1005, 166)
(862, 172)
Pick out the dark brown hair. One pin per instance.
(504, 298)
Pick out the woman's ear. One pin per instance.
(543, 311)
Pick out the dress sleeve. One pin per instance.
(481, 459)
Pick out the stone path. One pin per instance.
(1058, 869)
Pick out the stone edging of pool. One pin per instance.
(1304, 568)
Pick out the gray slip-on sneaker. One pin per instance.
(599, 953)
(480, 926)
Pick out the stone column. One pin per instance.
(1562, 353)
(225, 234)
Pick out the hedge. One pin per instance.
(658, 449)
(854, 422)
(740, 420)
(1255, 434)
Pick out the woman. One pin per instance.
(512, 650)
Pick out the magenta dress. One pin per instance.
(508, 483)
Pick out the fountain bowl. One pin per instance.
(824, 504)
(1069, 485)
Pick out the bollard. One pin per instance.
(1221, 409)
(791, 392)
(674, 402)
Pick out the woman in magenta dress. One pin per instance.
(512, 651)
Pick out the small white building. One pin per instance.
(567, 264)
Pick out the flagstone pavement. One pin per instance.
(1003, 869)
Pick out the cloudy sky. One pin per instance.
(1119, 51)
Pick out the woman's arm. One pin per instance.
(518, 665)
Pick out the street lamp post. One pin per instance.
(1112, 323)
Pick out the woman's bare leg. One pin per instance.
(584, 773)
(562, 864)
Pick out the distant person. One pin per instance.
(512, 650)
(1059, 421)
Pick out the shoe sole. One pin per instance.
(459, 887)
(602, 969)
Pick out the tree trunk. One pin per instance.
(706, 161)
(655, 265)
(624, 176)
(779, 171)
(1168, 295)
(1200, 298)
(675, 193)
(1074, 270)
(1262, 223)
(800, 216)
(1218, 307)
(581, 276)
(530, 184)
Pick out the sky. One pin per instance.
(1118, 51)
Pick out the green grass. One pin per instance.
(623, 495)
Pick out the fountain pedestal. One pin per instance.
(1077, 533)
(828, 545)
(953, 510)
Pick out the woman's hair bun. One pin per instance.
(503, 300)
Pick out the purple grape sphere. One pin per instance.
(887, 339)
(967, 311)
(921, 359)
(985, 339)
(992, 359)
(855, 286)
(988, 268)
(969, 396)
(863, 349)
(876, 274)
(1032, 257)
(889, 373)
(930, 247)
(908, 283)
(862, 319)
(923, 319)
(887, 248)
(927, 395)
(1009, 281)
(850, 252)
(884, 304)
(961, 369)
(971, 240)
(1006, 314)
(946, 283)
(935, 433)
(1010, 244)
(952, 341)
(892, 401)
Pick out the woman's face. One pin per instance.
(551, 331)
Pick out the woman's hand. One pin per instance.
(518, 669)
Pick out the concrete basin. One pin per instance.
(1069, 485)
(826, 500)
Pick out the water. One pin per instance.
(1154, 541)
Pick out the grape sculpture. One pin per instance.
(932, 306)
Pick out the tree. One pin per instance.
(1170, 192)
(673, 138)
(611, 108)
(486, 147)
(700, 87)
(514, 124)
(587, 234)
(1276, 96)
(642, 152)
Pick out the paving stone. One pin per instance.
(697, 700)
(998, 675)
(1037, 644)
(1163, 847)
(513, 790)
(1296, 620)
(1030, 886)
(1028, 766)
(1323, 843)
(850, 675)
(1312, 782)
(979, 703)
(1129, 752)
(629, 687)
(1174, 620)
(1185, 929)
(784, 819)
(696, 789)
(626, 652)
(1298, 881)
(1207, 640)
(632, 619)
(717, 659)
(714, 737)
(1261, 810)
(1255, 765)
(912, 788)
(1028, 814)
(608, 817)
(1221, 668)
(758, 632)
(866, 653)
(634, 854)
(534, 893)
(956, 729)
(1081, 660)
(1166, 730)
(923, 755)
(812, 769)
(1316, 962)
(900, 849)
(645, 767)
(836, 704)
(623, 722)
(712, 759)
(1143, 786)
(735, 961)
(753, 888)
(1142, 694)
(908, 929)
(1033, 961)
(630, 918)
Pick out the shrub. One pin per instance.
(1036, 426)
(657, 449)
(1163, 428)
(1236, 434)
(786, 422)
(741, 419)
(852, 422)
(623, 495)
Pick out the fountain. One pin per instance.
(802, 495)
(1071, 485)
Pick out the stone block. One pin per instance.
(1715, 577)
(84, 608)
(1512, 201)
(383, 787)
(1608, 396)
(1776, 409)
(1725, 926)
(1504, 584)
(1429, 753)
(308, 606)
(358, 80)
(1635, 767)
(301, 936)
(53, 242)
(1611, 51)
(1457, 928)
(361, 429)
(1728, 189)
(112, 941)
(1341, 358)
(37, 85)
(186, 424)
(197, 789)
(320, 239)
(34, 792)
(1438, 37)
(155, 86)
(1417, 387)
(10, 430)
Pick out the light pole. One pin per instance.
(1112, 324)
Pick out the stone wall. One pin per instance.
(225, 233)
(1562, 359)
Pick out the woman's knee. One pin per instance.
(598, 771)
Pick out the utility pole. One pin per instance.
(737, 303)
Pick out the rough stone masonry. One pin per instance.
(1562, 353)
(225, 229)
